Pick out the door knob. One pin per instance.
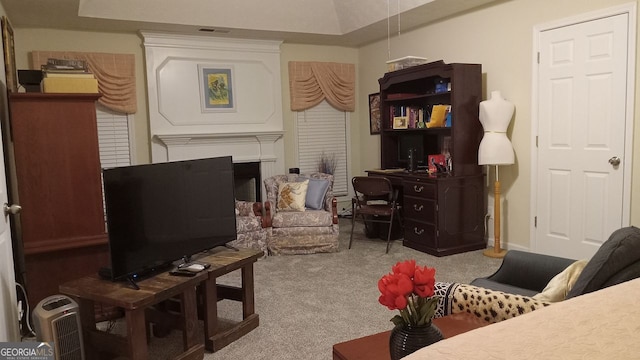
(12, 209)
(615, 161)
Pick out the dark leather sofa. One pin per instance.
(523, 273)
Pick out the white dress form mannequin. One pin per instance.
(495, 149)
(495, 115)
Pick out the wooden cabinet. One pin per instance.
(58, 177)
(443, 213)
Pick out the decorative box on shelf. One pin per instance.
(405, 62)
(69, 85)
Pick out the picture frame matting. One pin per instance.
(217, 90)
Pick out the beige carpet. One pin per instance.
(307, 303)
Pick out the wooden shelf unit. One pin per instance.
(443, 214)
(416, 86)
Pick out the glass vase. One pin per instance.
(406, 339)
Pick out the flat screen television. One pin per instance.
(160, 213)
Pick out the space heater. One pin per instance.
(57, 319)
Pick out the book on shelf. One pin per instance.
(66, 64)
(438, 116)
(69, 85)
(413, 117)
(62, 69)
(69, 74)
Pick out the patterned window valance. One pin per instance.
(312, 82)
(115, 73)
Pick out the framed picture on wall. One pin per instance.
(374, 113)
(216, 88)
(9, 55)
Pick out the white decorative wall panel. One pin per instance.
(180, 92)
(181, 129)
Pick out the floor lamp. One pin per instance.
(496, 149)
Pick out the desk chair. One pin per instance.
(375, 200)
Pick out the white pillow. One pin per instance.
(292, 195)
(558, 288)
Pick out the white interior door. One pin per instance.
(8, 304)
(582, 119)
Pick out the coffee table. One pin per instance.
(376, 347)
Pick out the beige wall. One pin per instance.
(27, 40)
(500, 38)
(46, 39)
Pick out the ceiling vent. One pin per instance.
(219, 31)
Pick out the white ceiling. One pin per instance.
(335, 22)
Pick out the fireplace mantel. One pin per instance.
(255, 146)
(204, 138)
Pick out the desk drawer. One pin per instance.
(420, 209)
(419, 189)
(419, 233)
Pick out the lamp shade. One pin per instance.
(495, 147)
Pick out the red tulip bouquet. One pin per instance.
(410, 289)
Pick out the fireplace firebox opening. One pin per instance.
(247, 181)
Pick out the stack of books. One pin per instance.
(68, 76)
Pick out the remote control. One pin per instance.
(182, 273)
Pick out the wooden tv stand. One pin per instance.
(222, 263)
(89, 290)
(137, 305)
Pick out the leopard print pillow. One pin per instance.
(490, 305)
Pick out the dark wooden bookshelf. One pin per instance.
(416, 86)
(443, 213)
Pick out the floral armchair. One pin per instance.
(251, 226)
(304, 218)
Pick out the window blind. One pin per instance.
(113, 138)
(323, 130)
(114, 141)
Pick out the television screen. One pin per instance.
(158, 213)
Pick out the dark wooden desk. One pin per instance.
(443, 215)
(223, 262)
(376, 347)
(91, 289)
